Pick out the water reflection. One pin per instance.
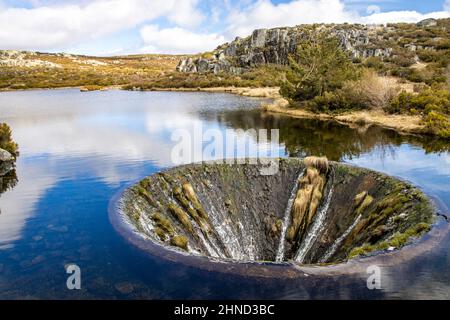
(79, 149)
(337, 141)
(8, 181)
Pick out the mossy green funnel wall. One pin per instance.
(310, 211)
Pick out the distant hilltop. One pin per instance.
(273, 46)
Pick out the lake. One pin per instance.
(78, 150)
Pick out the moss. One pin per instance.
(182, 217)
(163, 223)
(360, 251)
(398, 240)
(180, 242)
(279, 224)
(145, 183)
(359, 198)
(160, 233)
(179, 196)
(135, 215)
(141, 191)
(344, 171)
(192, 197)
(368, 199)
(192, 210)
(167, 178)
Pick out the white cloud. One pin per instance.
(186, 14)
(402, 16)
(57, 26)
(177, 40)
(265, 14)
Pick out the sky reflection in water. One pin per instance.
(78, 149)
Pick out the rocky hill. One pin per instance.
(28, 69)
(273, 46)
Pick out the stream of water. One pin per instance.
(287, 216)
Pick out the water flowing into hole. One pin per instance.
(316, 228)
(287, 217)
(339, 240)
(310, 211)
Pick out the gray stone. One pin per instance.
(6, 162)
(273, 46)
(427, 23)
(5, 156)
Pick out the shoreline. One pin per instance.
(401, 123)
(405, 124)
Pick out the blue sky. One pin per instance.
(107, 27)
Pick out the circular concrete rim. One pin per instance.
(270, 269)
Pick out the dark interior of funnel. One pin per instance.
(310, 211)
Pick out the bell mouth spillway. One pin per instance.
(311, 211)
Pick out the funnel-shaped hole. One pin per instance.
(309, 211)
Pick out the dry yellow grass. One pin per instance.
(319, 163)
(401, 123)
(308, 196)
(77, 71)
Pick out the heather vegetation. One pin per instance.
(262, 76)
(38, 70)
(409, 75)
(321, 78)
(6, 141)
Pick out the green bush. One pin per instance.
(343, 99)
(432, 104)
(319, 66)
(374, 63)
(6, 142)
(426, 101)
(437, 123)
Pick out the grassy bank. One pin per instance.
(375, 97)
(410, 124)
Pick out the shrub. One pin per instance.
(376, 92)
(374, 63)
(433, 104)
(369, 92)
(6, 142)
(437, 123)
(319, 66)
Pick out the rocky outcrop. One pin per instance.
(273, 46)
(427, 23)
(6, 162)
(27, 59)
(310, 211)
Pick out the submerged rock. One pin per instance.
(310, 211)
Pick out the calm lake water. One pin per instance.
(77, 150)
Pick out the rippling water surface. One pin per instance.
(77, 150)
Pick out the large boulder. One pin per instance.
(6, 162)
